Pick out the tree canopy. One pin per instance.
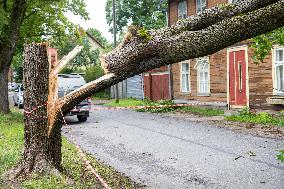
(144, 13)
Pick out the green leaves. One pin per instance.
(264, 43)
(145, 35)
(3, 22)
(280, 157)
(143, 13)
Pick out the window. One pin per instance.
(279, 71)
(185, 86)
(200, 6)
(203, 81)
(182, 9)
(233, 1)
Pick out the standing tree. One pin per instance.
(25, 21)
(143, 13)
(197, 36)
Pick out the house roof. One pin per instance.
(95, 40)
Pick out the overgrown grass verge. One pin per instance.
(202, 111)
(74, 175)
(188, 109)
(126, 102)
(247, 116)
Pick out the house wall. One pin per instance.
(129, 88)
(260, 80)
(218, 82)
(260, 76)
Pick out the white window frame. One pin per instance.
(276, 63)
(199, 71)
(233, 1)
(181, 78)
(202, 6)
(186, 11)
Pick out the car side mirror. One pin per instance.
(17, 90)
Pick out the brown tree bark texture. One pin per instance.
(42, 153)
(4, 103)
(189, 38)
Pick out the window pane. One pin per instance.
(279, 78)
(198, 3)
(185, 67)
(203, 82)
(279, 55)
(182, 10)
(185, 83)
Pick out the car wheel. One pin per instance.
(82, 118)
(20, 106)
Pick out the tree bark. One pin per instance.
(4, 102)
(190, 38)
(7, 48)
(42, 153)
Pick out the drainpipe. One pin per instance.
(114, 41)
(170, 67)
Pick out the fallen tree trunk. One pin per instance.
(186, 40)
(145, 50)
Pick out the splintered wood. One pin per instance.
(55, 68)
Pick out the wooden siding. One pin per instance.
(260, 76)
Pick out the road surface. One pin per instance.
(166, 152)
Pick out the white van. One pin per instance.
(68, 83)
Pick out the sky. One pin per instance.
(97, 15)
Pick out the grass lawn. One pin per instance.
(126, 102)
(189, 109)
(11, 145)
(202, 111)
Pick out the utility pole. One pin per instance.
(114, 42)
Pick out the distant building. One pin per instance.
(94, 42)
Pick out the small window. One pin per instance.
(182, 10)
(185, 83)
(233, 1)
(279, 71)
(200, 6)
(203, 80)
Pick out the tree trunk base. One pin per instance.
(29, 169)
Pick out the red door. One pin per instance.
(237, 78)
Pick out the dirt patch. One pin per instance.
(267, 131)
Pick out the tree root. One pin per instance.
(26, 170)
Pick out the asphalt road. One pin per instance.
(165, 152)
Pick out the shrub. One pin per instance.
(280, 157)
(260, 118)
(93, 73)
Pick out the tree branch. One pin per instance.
(137, 56)
(219, 13)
